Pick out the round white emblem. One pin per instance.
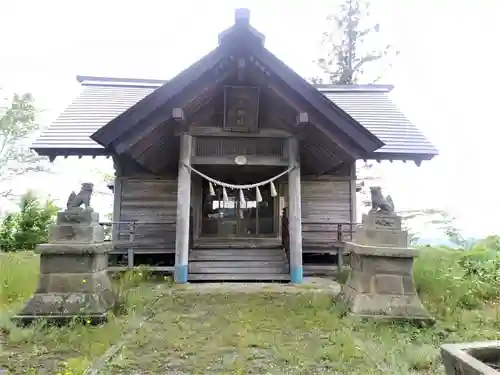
(240, 160)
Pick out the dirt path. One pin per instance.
(311, 284)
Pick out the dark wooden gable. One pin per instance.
(146, 132)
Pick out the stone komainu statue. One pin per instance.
(83, 197)
(379, 203)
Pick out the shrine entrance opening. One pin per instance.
(234, 218)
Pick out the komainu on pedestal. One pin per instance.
(381, 280)
(73, 267)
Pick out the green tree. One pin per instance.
(29, 227)
(17, 125)
(352, 43)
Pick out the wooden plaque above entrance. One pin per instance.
(241, 112)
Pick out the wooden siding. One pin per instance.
(324, 205)
(143, 197)
(150, 201)
(327, 201)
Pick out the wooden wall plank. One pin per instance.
(153, 201)
(325, 203)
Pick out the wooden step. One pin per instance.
(243, 243)
(242, 264)
(230, 269)
(320, 269)
(232, 254)
(238, 277)
(239, 264)
(207, 256)
(257, 251)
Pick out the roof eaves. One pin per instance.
(128, 119)
(153, 82)
(354, 88)
(66, 151)
(404, 156)
(119, 82)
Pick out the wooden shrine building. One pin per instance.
(236, 167)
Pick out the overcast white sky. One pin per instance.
(446, 76)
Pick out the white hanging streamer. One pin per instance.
(211, 189)
(258, 196)
(251, 186)
(225, 198)
(273, 190)
(242, 198)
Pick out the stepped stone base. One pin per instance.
(381, 281)
(73, 274)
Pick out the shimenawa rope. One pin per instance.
(225, 185)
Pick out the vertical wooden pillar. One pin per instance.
(183, 210)
(295, 212)
(117, 199)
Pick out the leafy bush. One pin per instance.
(455, 279)
(490, 243)
(7, 230)
(29, 227)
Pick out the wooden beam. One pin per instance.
(158, 118)
(241, 69)
(345, 124)
(117, 204)
(220, 132)
(302, 118)
(295, 213)
(183, 211)
(156, 150)
(352, 192)
(229, 160)
(316, 122)
(300, 106)
(178, 114)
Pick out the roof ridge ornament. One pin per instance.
(242, 16)
(242, 29)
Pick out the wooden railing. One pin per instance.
(131, 237)
(333, 237)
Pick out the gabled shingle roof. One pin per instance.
(372, 107)
(102, 99)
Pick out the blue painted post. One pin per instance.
(183, 210)
(295, 212)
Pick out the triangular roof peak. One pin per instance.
(140, 131)
(241, 24)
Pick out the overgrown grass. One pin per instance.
(265, 333)
(196, 333)
(44, 349)
(453, 280)
(18, 278)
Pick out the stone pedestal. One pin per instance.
(381, 280)
(73, 271)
